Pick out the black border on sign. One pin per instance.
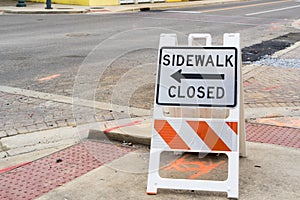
(199, 105)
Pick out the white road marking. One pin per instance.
(275, 10)
(182, 11)
(206, 21)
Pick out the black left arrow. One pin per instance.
(179, 75)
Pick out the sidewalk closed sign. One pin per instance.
(197, 76)
(189, 77)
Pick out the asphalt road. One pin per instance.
(71, 54)
(279, 9)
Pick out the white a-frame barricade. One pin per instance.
(193, 77)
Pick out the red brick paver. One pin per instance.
(283, 136)
(36, 178)
(267, 86)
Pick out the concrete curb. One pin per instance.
(46, 12)
(137, 131)
(24, 143)
(287, 50)
(29, 142)
(75, 101)
(120, 137)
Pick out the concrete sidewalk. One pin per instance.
(39, 8)
(9, 7)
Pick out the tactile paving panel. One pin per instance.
(283, 136)
(41, 176)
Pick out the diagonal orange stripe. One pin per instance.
(233, 126)
(208, 136)
(169, 135)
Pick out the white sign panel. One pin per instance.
(197, 76)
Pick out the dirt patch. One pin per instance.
(143, 97)
(130, 80)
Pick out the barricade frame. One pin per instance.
(230, 185)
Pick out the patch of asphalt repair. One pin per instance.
(264, 49)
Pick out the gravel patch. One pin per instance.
(279, 62)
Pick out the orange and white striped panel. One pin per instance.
(195, 135)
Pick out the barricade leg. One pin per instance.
(233, 175)
(153, 172)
